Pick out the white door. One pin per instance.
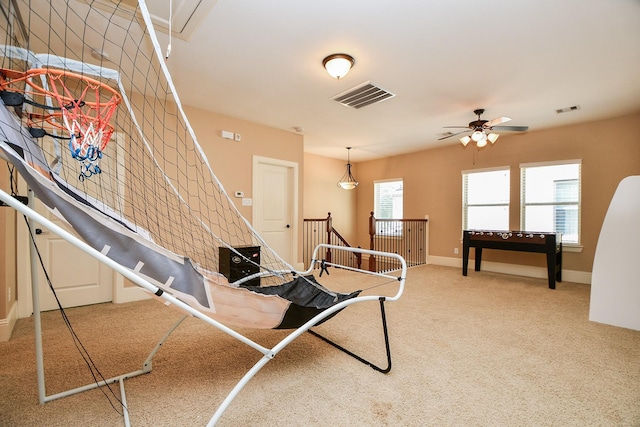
(275, 204)
(78, 279)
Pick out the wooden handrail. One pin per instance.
(405, 237)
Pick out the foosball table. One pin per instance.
(524, 241)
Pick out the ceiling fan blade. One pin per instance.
(453, 134)
(497, 121)
(511, 128)
(456, 127)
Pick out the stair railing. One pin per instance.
(320, 231)
(405, 237)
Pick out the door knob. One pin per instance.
(288, 226)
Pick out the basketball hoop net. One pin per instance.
(84, 105)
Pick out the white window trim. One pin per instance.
(378, 181)
(470, 171)
(566, 247)
(499, 168)
(390, 235)
(551, 163)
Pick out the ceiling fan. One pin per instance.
(482, 130)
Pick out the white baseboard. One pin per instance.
(6, 325)
(446, 261)
(515, 269)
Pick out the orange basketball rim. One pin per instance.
(85, 104)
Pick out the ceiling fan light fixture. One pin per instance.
(338, 64)
(481, 130)
(478, 136)
(348, 181)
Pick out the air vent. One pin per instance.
(567, 109)
(362, 95)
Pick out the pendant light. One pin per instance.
(348, 181)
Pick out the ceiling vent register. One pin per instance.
(362, 95)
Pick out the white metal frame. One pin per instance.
(268, 353)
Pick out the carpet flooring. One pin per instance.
(487, 349)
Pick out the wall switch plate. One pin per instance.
(227, 135)
(247, 201)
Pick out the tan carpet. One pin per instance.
(481, 350)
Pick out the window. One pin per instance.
(387, 201)
(550, 194)
(485, 199)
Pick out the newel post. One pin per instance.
(329, 230)
(372, 233)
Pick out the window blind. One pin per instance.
(551, 199)
(485, 199)
(388, 204)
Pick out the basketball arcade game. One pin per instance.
(50, 98)
(147, 364)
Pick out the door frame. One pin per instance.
(294, 179)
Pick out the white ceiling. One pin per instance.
(261, 61)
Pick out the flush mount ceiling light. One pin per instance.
(338, 64)
(348, 182)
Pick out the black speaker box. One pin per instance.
(235, 267)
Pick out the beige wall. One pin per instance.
(7, 249)
(609, 149)
(232, 161)
(322, 194)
